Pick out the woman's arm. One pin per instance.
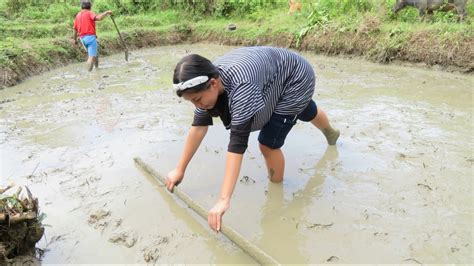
(195, 136)
(232, 170)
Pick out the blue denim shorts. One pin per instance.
(90, 42)
(274, 133)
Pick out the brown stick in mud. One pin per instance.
(19, 217)
(256, 253)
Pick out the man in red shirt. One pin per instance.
(84, 26)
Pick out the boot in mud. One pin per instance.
(331, 135)
(96, 61)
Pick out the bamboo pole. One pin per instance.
(253, 251)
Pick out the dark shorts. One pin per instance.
(274, 133)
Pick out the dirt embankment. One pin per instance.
(450, 54)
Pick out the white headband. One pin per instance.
(190, 83)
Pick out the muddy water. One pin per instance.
(397, 187)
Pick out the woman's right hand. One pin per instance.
(174, 178)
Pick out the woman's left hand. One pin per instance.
(214, 217)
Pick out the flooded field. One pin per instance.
(397, 188)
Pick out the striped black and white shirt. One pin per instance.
(258, 81)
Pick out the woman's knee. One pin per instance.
(265, 150)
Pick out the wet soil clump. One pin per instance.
(20, 224)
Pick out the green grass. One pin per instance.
(36, 21)
(38, 30)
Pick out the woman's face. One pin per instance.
(205, 99)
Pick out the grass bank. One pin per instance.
(38, 37)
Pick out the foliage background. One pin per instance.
(40, 32)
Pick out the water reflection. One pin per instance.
(281, 219)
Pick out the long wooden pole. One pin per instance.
(121, 38)
(259, 255)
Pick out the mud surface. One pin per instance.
(396, 189)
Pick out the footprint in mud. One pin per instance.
(247, 180)
(383, 236)
(153, 251)
(98, 219)
(38, 178)
(127, 239)
(101, 220)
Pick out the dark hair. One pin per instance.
(86, 5)
(192, 66)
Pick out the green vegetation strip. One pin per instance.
(253, 251)
(37, 37)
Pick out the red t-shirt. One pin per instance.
(85, 23)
